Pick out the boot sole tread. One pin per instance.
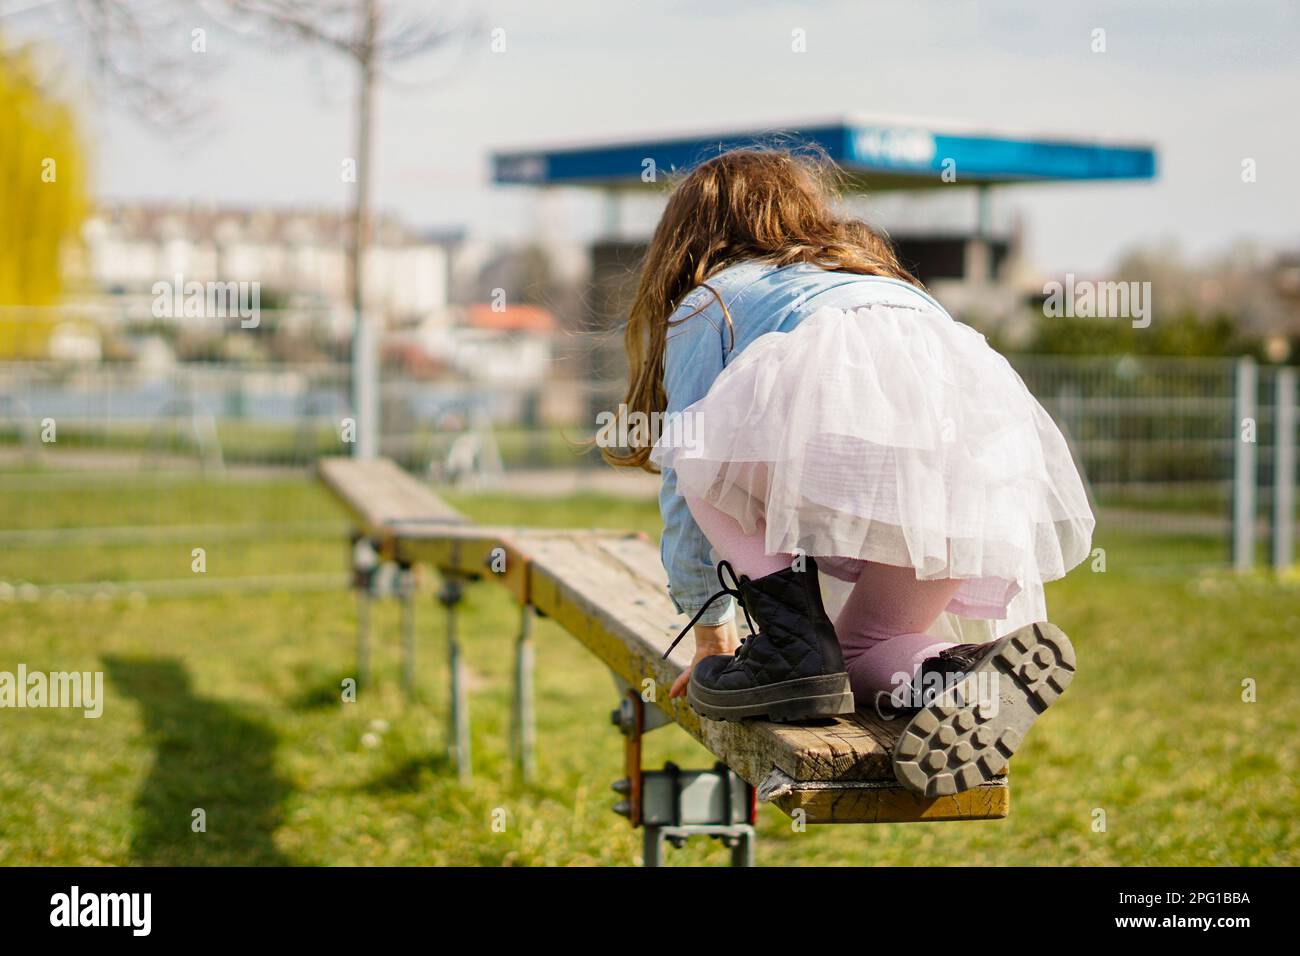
(947, 747)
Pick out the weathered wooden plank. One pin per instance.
(628, 622)
(608, 589)
(381, 497)
(479, 551)
(858, 746)
(639, 555)
(836, 772)
(863, 802)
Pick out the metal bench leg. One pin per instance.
(652, 846)
(365, 563)
(674, 804)
(742, 851)
(521, 725)
(458, 729)
(363, 638)
(406, 591)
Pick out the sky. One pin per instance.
(1209, 84)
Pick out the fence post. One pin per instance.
(1243, 480)
(1284, 476)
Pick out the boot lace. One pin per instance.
(734, 590)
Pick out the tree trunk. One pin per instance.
(365, 371)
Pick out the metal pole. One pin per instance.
(406, 588)
(1284, 474)
(363, 637)
(522, 729)
(1243, 482)
(365, 378)
(742, 851)
(364, 562)
(981, 260)
(612, 224)
(652, 846)
(458, 729)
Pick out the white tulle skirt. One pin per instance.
(894, 434)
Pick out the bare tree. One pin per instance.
(132, 46)
(126, 42)
(376, 37)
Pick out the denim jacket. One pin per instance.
(761, 298)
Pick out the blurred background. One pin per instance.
(228, 228)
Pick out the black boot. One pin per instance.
(790, 669)
(979, 701)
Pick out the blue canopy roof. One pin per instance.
(879, 154)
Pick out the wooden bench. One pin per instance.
(608, 590)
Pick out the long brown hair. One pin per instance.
(754, 203)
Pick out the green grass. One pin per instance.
(231, 703)
(246, 442)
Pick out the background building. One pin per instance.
(295, 254)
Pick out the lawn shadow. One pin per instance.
(206, 755)
(407, 776)
(321, 692)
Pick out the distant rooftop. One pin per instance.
(210, 222)
(875, 153)
(514, 318)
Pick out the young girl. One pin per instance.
(827, 415)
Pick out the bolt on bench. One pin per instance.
(608, 590)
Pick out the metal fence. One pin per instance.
(1180, 443)
(1181, 446)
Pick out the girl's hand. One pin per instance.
(721, 638)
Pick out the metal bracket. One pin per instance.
(674, 804)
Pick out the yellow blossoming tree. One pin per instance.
(42, 206)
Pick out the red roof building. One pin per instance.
(513, 318)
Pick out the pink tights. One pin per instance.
(881, 626)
